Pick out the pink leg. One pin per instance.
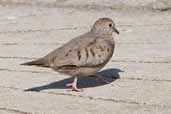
(74, 85)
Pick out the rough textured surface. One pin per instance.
(139, 70)
(162, 5)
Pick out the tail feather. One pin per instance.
(39, 62)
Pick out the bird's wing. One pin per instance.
(91, 53)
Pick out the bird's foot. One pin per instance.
(102, 79)
(74, 87)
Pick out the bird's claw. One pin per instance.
(74, 87)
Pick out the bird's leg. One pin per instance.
(74, 85)
(102, 79)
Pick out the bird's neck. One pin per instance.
(106, 37)
(101, 32)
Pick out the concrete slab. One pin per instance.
(29, 102)
(139, 70)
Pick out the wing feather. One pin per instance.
(96, 52)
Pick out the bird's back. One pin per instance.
(87, 49)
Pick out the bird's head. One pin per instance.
(104, 26)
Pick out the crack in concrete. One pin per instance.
(140, 61)
(94, 98)
(36, 30)
(14, 110)
(112, 100)
(143, 79)
(12, 57)
(90, 6)
(39, 44)
(31, 71)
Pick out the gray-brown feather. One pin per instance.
(94, 51)
(84, 55)
(86, 59)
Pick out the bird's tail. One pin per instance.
(38, 62)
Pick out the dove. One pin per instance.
(84, 55)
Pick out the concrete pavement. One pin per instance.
(141, 63)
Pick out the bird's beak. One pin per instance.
(115, 30)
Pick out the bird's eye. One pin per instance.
(110, 25)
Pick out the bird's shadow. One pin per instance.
(84, 82)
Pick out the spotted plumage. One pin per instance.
(84, 55)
